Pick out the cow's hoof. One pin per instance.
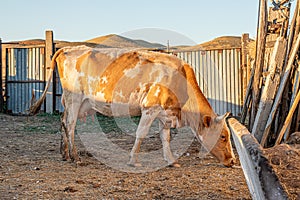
(175, 164)
(136, 164)
(80, 163)
(66, 158)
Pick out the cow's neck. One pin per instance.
(196, 106)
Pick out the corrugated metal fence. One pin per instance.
(218, 73)
(25, 73)
(219, 76)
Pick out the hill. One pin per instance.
(114, 40)
(223, 42)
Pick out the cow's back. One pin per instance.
(118, 76)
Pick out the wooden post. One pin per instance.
(259, 58)
(296, 84)
(292, 33)
(270, 89)
(297, 26)
(261, 179)
(288, 119)
(282, 85)
(245, 52)
(247, 100)
(49, 50)
(1, 86)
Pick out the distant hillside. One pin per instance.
(114, 40)
(224, 42)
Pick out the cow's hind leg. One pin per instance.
(70, 118)
(165, 137)
(71, 124)
(148, 116)
(64, 150)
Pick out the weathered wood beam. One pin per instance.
(261, 179)
(282, 85)
(245, 53)
(270, 89)
(49, 51)
(1, 82)
(247, 99)
(292, 32)
(288, 119)
(296, 84)
(259, 58)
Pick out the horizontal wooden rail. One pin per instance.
(261, 179)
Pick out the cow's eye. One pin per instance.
(223, 137)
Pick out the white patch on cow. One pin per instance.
(200, 137)
(81, 74)
(145, 101)
(90, 81)
(161, 73)
(100, 96)
(119, 94)
(131, 73)
(104, 80)
(157, 92)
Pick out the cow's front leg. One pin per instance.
(143, 128)
(165, 137)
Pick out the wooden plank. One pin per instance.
(247, 98)
(3, 73)
(1, 83)
(296, 84)
(283, 82)
(259, 58)
(288, 119)
(261, 179)
(270, 89)
(244, 67)
(49, 51)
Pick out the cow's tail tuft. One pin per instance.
(36, 106)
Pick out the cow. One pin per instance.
(135, 82)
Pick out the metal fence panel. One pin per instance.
(218, 73)
(25, 72)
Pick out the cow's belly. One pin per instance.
(90, 105)
(118, 109)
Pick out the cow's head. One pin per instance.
(215, 136)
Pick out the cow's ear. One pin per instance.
(207, 121)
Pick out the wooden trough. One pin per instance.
(261, 179)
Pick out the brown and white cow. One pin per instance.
(118, 82)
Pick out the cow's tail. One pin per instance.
(36, 106)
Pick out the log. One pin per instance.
(296, 83)
(283, 82)
(288, 119)
(292, 32)
(259, 58)
(270, 89)
(261, 179)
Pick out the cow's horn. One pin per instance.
(222, 117)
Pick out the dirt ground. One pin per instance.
(31, 168)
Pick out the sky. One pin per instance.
(181, 21)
